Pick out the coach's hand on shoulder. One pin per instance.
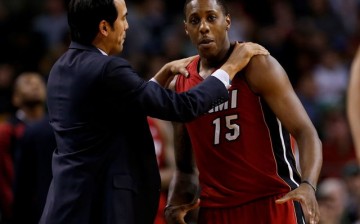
(305, 194)
(175, 214)
(170, 69)
(241, 56)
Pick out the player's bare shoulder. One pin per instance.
(263, 71)
(263, 63)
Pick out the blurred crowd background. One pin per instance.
(314, 40)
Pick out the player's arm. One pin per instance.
(267, 78)
(184, 188)
(353, 102)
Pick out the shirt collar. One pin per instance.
(103, 52)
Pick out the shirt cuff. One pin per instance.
(154, 80)
(222, 76)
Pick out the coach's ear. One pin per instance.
(104, 28)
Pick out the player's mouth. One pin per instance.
(206, 42)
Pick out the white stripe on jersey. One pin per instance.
(284, 153)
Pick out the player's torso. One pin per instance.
(241, 150)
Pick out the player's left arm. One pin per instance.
(267, 78)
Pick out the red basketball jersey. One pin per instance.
(242, 151)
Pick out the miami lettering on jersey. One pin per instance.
(230, 104)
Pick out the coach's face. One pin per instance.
(117, 33)
(207, 25)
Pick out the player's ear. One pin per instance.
(185, 28)
(228, 21)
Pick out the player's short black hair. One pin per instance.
(219, 2)
(84, 17)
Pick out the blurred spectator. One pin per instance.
(328, 22)
(332, 198)
(277, 36)
(331, 77)
(145, 35)
(29, 97)
(175, 44)
(306, 90)
(338, 149)
(52, 23)
(347, 10)
(242, 25)
(351, 175)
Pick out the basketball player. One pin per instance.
(242, 148)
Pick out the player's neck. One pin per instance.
(207, 66)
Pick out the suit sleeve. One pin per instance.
(127, 87)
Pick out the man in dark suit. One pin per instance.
(104, 167)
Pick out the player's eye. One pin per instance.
(212, 18)
(194, 20)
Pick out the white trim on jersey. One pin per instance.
(284, 153)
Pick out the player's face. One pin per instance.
(118, 32)
(207, 26)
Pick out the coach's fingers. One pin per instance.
(179, 66)
(183, 71)
(251, 49)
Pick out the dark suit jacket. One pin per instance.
(33, 171)
(104, 166)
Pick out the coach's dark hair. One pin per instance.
(84, 17)
(219, 2)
